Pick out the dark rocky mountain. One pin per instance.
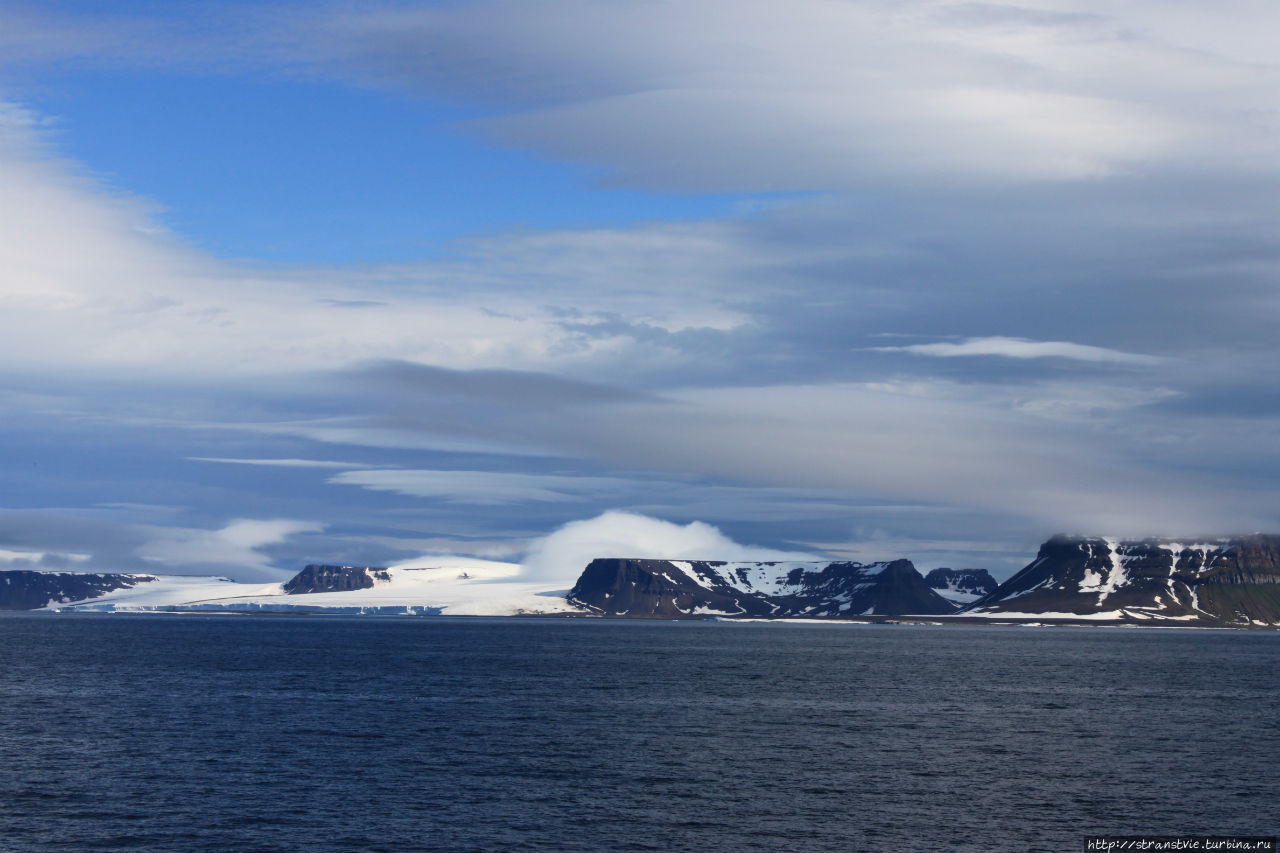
(961, 586)
(696, 588)
(30, 590)
(320, 578)
(1222, 581)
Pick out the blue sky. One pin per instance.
(314, 171)
(284, 283)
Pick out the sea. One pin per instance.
(331, 733)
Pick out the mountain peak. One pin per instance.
(683, 588)
(1221, 580)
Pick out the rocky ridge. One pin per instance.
(323, 578)
(30, 590)
(961, 586)
(1220, 582)
(699, 588)
(1232, 581)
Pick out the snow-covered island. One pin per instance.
(456, 586)
(1217, 583)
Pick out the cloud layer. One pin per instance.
(823, 95)
(1022, 348)
(1015, 272)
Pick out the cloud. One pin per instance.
(483, 549)
(280, 463)
(1023, 348)
(748, 95)
(132, 297)
(480, 487)
(523, 388)
(1069, 188)
(233, 549)
(745, 95)
(591, 316)
(561, 556)
(16, 560)
(947, 445)
(112, 540)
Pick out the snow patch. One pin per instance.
(1046, 582)
(1117, 576)
(1092, 581)
(453, 586)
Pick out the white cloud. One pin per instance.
(934, 97)
(756, 95)
(561, 556)
(955, 447)
(280, 463)
(431, 548)
(479, 487)
(90, 280)
(232, 550)
(42, 559)
(814, 94)
(1023, 348)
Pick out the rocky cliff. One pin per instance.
(1220, 581)
(694, 588)
(29, 590)
(321, 578)
(961, 586)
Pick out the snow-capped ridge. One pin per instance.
(770, 589)
(961, 586)
(1210, 582)
(1219, 580)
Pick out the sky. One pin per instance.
(285, 283)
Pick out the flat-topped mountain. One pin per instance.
(690, 588)
(322, 578)
(30, 590)
(1221, 581)
(1206, 583)
(961, 586)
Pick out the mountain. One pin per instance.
(318, 578)
(1213, 583)
(961, 586)
(29, 590)
(693, 588)
(1219, 582)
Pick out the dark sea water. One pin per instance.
(220, 733)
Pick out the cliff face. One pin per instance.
(693, 588)
(27, 590)
(961, 586)
(321, 578)
(1250, 560)
(1223, 581)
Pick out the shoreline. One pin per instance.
(903, 620)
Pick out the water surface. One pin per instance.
(217, 733)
